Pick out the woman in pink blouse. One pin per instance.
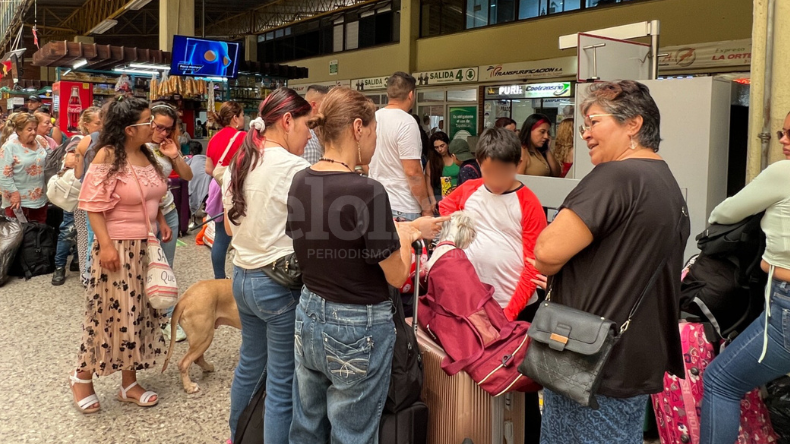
(121, 331)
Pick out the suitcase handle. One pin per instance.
(418, 247)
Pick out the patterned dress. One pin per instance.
(22, 170)
(121, 330)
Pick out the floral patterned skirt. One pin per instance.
(121, 331)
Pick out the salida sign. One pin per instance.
(372, 83)
(460, 75)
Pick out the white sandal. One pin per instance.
(145, 398)
(84, 405)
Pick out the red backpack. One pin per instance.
(461, 315)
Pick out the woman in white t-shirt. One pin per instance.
(255, 195)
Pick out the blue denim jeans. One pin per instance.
(343, 366)
(267, 311)
(169, 248)
(219, 250)
(67, 240)
(736, 371)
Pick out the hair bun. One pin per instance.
(319, 119)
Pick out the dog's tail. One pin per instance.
(177, 311)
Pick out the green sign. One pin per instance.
(463, 121)
(333, 65)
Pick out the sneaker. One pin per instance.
(181, 335)
(166, 332)
(75, 265)
(59, 276)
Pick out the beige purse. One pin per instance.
(219, 169)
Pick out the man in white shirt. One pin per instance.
(314, 96)
(396, 164)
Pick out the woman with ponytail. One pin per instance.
(121, 331)
(350, 251)
(221, 149)
(255, 193)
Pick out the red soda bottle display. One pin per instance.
(74, 109)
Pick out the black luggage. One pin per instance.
(408, 426)
(36, 255)
(11, 235)
(407, 372)
(249, 429)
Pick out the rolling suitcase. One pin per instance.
(405, 417)
(408, 426)
(461, 410)
(677, 408)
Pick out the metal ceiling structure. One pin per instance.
(276, 14)
(58, 20)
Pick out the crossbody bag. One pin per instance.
(219, 169)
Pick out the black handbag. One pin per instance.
(285, 271)
(569, 347)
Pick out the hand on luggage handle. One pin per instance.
(418, 247)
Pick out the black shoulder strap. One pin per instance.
(652, 281)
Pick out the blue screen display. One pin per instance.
(194, 56)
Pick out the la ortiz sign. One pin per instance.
(707, 55)
(445, 76)
(370, 84)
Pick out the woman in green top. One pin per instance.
(442, 169)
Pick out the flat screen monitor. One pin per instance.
(193, 56)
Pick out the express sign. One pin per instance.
(459, 75)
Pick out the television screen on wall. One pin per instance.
(193, 56)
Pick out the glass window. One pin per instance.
(367, 31)
(452, 16)
(466, 95)
(278, 33)
(594, 3)
(503, 11)
(383, 27)
(431, 19)
(430, 96)
(476, 13)
(338, 38)
(531, 8)
(352, 35)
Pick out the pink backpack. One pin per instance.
(677, 408)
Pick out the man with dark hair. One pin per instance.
(396, 164)
(314, 96)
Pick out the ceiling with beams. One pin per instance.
(56, 19)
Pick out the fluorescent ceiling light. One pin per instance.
(103, 27)
(144, 66)
(217, 79)
(80, 64)
(136, 71)
(136, 5)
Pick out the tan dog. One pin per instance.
(200, 310)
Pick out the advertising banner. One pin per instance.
(539, 69)
(707, 55)
(463, 121)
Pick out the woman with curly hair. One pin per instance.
(563, 146)
(22, 169)
(122, 187)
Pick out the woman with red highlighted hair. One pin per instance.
(255, 195)
(536, 158)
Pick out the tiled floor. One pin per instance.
(39, 335)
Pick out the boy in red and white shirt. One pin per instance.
(508, 219)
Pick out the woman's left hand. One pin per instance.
(541, 281)
(165, 231)
(169, 148)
